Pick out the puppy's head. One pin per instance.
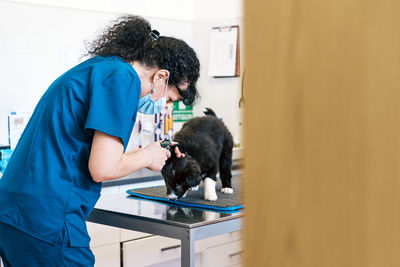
(180, 174)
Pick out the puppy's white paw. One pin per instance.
(172, 197)
(194, 188)
(227, 190)
(210, 197)
(209, 190)
(184, 195)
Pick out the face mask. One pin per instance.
(149, 106)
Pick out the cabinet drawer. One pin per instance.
(229, 254)
(218, 240)
(150, 250)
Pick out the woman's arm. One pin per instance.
(108, 162)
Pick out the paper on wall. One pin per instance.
(223, 54)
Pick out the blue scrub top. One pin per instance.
(47, 184)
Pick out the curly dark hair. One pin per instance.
(131, 38)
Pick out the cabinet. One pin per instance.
(157, 251)
(111, 246)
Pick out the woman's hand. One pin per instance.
(156, 155)
(177, 152)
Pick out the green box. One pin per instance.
(179, 106)
(182, 112)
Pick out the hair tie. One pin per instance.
(155, 35)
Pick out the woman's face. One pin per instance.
(163, 88)
(173, 93)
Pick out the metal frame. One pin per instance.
(187, 234)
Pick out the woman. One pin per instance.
(77, 136)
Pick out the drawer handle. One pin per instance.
(171, 247)
(235, 254)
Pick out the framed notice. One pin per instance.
(224, 52)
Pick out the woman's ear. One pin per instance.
(161, 75)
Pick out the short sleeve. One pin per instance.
(113, 104)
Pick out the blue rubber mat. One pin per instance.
(195, 199)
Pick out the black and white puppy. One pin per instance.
(207, 144)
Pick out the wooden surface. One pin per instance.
(322, 135)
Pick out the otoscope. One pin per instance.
(166, 143)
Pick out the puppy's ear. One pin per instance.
(168, 173)
(167, 169)
(192, 171)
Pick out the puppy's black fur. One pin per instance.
(207, 144)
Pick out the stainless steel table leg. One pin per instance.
(187, 250)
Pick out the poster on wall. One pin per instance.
(224, 52)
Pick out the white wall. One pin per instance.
(217, 10)
(170, 9)
(40, 40)
(220, 94)
(188, 10)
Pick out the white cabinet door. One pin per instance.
(101, 235)
(107, 256)
(155, 251)
(150, 250)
